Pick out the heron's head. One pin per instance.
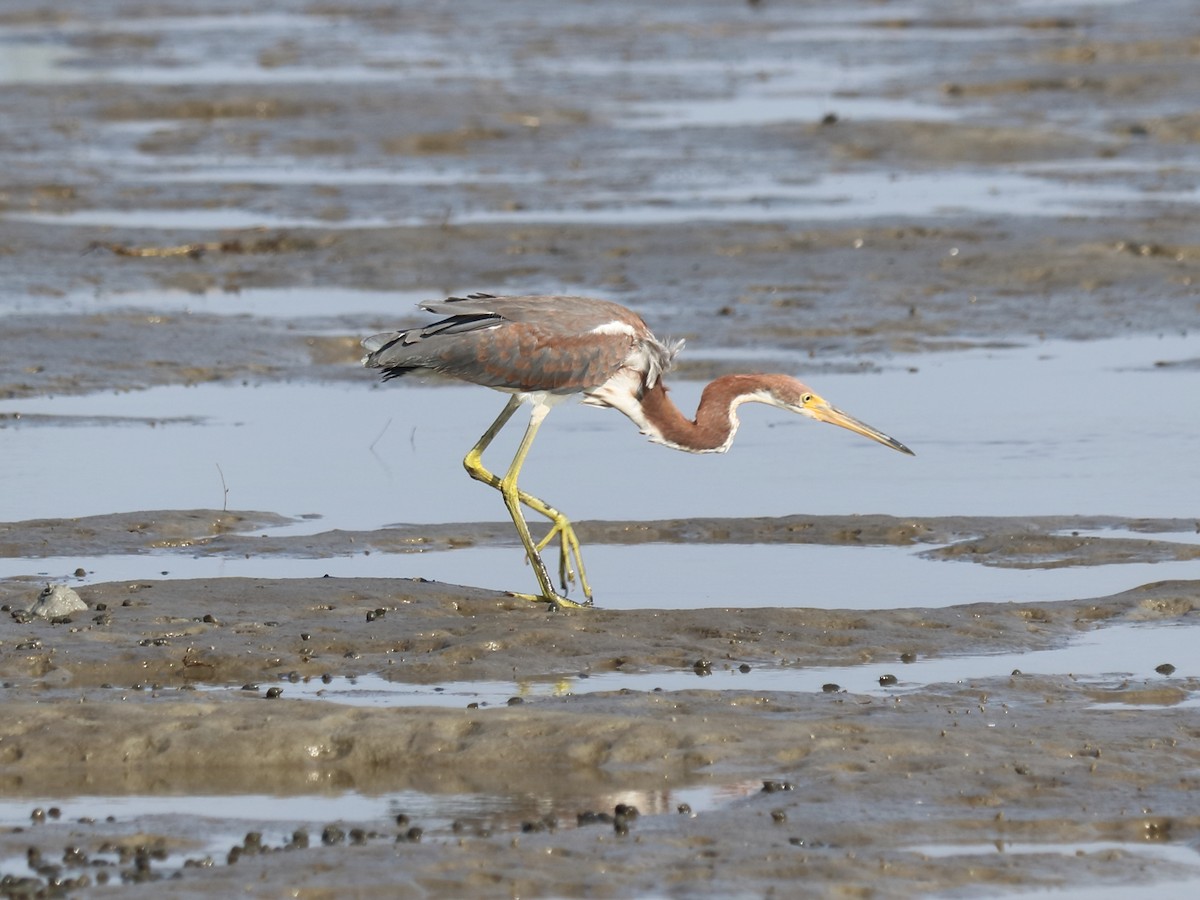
(795, 396)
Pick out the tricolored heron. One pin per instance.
(543, 349)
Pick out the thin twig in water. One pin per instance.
(378, 436)
(225, 488)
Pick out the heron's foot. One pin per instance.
(556, 601)
(568, 548)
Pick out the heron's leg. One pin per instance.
(513, 497)
(568, 543)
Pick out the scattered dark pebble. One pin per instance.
(1165, 669)
(684, 809)
(702, 667)
(887, 680)
(274, 693)
(908, 657)
(358, 836)
(778, 816)
(326, 678)
(331, 834)
(412, 836)
(771, 787)
(831, 688)
(300, 839)
(627, 810)
(743, 668)
(515, 701)
(305, 636)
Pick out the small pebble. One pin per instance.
(1165, 669)
(887, 680)
(274, 693)
(771, 787)
(831, 688)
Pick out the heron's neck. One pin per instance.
(716, 421)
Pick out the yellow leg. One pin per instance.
(514, 497)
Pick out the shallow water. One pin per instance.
(1059, 428)
(1104, 437)
(1102, 655)
(270, 303)
(665, 576)
(237, 812)
(836, 197)
(1141, 854)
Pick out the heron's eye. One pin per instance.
(806, 399)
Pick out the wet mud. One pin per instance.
(765, 180)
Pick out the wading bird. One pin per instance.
(543, 349)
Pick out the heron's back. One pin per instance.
(529, 344)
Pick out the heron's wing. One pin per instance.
(560, 344)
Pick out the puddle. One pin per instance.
(1154, 851)
(664, 576)
(979, 453)
(1103, 655)
(350, 457)
(271, 303)
(284, 172)
(198, 826)
(836, 197)
(439, 810)
(779, 107)
(1172, 537)
(1142, 855)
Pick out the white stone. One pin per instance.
(56, 601)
